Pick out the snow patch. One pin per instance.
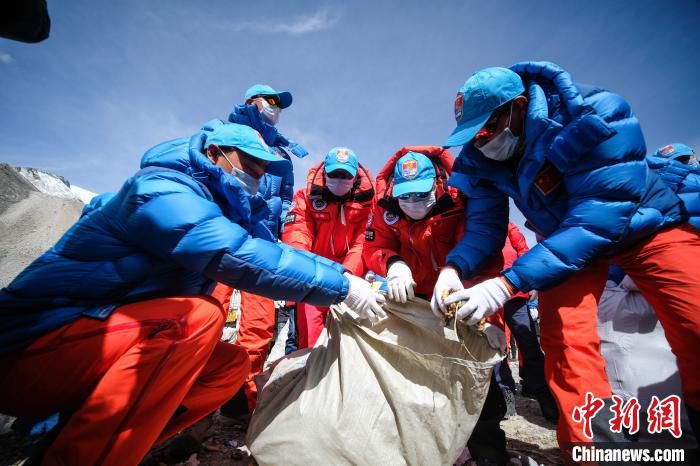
(54, 185)
(82, 193)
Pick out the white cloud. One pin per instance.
(320, 20)
(6, 58)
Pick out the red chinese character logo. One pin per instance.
(665, 415)
(586, 412)
(625, 415)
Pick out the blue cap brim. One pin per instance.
(414, 186)
(277, 166)
(466, 131)
(285, 99)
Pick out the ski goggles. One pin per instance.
(270, 99)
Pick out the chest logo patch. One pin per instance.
(390, 218)
(319, 204)
(548, 179)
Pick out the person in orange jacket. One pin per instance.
(328, 218)
(416, 221)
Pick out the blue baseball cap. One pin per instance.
(251, 142)
(674, 151)
(285, 97)
(413, 173)
(341, 158)
(482, 93)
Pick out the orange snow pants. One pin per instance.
(666, 269)
(254, 334)
(149, 370)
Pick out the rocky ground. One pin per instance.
(528, 433)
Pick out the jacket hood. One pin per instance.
(442, 161)
(169, 154)
(186, 155)
(361, 192)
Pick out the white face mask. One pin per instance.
(503, 146)
(338, 186)
(249, 183)
(270, 113)
(418, 209)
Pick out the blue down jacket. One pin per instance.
(175, 228)
(278, 191)
(684, 180)
(582, 183)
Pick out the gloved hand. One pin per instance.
(495, 336)
(482, 300)
(364, 300)
(447, 280)
(297, 150)
(400, 282)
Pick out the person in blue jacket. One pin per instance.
(677, 165)
(261, 111)
(572, 159)
(116, 327)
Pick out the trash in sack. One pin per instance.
(403, 391)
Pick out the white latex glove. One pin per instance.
(495, 336)
(482, 300)
(447, 280)
(400, 282)
(364, 300)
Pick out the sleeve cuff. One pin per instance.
(458, 267)
(344, 290)
(391, 261)
(513, 280)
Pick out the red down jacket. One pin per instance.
(422, 244)
(333, 227)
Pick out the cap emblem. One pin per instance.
(409, 169)
(459, 106)
(342, 156)
(666, 150)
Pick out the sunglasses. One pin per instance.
(415, 196)
(270, 99)
(340, 174)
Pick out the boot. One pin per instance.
(548, 406)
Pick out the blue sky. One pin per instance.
(115, 78)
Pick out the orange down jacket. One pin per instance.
(333, 227)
